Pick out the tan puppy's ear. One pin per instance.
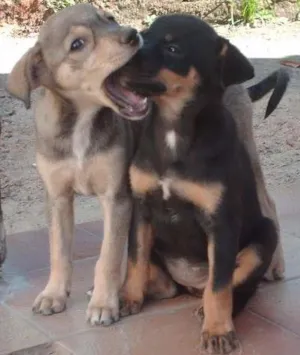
(27, 75)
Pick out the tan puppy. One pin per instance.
(238, 102)
(82, 146)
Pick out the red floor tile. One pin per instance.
(29, 251)
(170, 333)
(16, 333)
(99, 341)
(280, 303)
(63, 324)
(260, 337)
(179, 333)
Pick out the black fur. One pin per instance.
(278, 81)
(208, 151)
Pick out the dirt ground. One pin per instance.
(278, 137)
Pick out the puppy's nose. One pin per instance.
(130, 36)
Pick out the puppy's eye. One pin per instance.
(173, 49)
(77, 44)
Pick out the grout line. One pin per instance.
(27, 320)
(65, 347)
(278, 325)
(87, 231)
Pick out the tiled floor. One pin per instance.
(270, 325)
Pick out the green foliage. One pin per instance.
(249, 10)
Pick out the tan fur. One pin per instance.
(144, 278)
(69, 160)
(248, 260)
(217, 306)
(160, 285)
(135, 286)
(142, 181)
(180, 90)
(204, 196)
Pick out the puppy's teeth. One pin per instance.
(145, 101)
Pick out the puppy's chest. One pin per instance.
(182, 180)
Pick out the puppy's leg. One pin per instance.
(252, 263)
(140, 244)
(144, 278)
(53, 298)
(110, 269)
(218, 334)
(160, 284)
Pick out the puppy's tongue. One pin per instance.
(124, 96)
(132, 98)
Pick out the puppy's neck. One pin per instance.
(174, 124)
(81, 137)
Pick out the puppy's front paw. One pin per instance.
(130, 306)
(219, 343)
(100, 312)
(50, 302)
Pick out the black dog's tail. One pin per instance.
(278, 81)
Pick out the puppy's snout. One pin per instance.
(130, 36)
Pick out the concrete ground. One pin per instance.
(277, 138)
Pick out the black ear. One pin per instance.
(236, 68)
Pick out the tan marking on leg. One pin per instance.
(218, 335)
(248, 260)
(142, 181)
(135, 287)
(160, 285)
(204, 196)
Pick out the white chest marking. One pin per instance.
(165, 185)
(81, 136)
(171, 140)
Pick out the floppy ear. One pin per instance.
(27, 75)
(236, 68)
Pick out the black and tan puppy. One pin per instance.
(84, 145)
(197, 219)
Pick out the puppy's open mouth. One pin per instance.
(131, 104)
